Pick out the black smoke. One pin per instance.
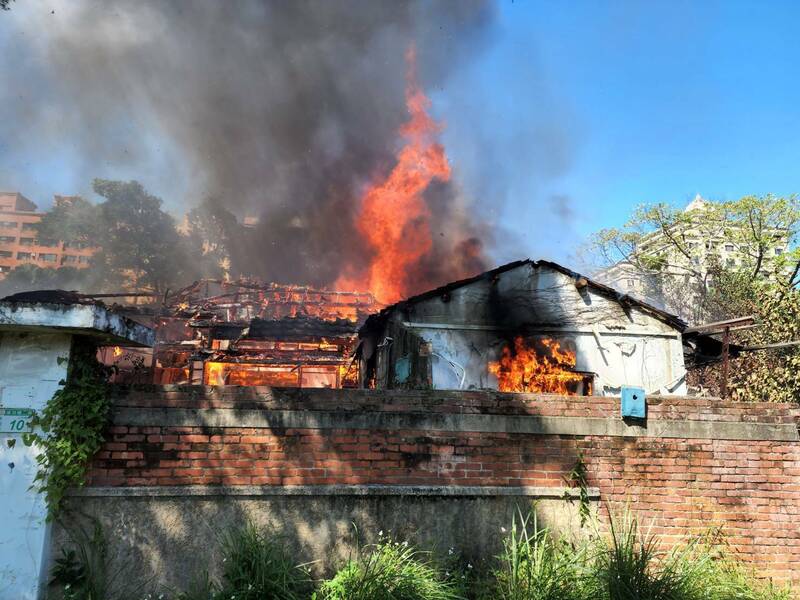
(283, 110)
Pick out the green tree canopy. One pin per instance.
(139, 244)
(33, 277)
(660, 242)
(70, 220)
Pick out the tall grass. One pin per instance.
(256, 567)
(631, 566)
(390, 570)
(534, 566)
(626, 563)
(629, 563)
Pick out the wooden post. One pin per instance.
(726, 340)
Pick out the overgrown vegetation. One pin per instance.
(72, 425)
(139, 245)
(257, 567)
(84, 570)
(681, 255)
(390, 570)
(626, 563)
(724, 260)
(577, 478)
(534, 566)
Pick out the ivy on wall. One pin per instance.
(72, 425)
(577, 478)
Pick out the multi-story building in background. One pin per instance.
(20, 244)
(686, 270)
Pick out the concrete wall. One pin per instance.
(183, 465)
(29, 375)
(163, 541)
(468, 328)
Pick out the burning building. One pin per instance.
(244, 332)
(528, 326)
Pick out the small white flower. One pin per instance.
(469, 566)
(405, 543)
(447, 573)
(450, 552)
(503, 529)
(380, 533)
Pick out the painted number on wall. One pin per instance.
(15, 420)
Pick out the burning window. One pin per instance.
(539, 367)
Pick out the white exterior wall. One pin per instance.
(29, 375)
(471, 328)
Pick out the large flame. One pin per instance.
(394, 222)
(523, 369)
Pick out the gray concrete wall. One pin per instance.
(160, 543)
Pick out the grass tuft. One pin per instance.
(390, 570)
(255, 567)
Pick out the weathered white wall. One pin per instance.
(29, 375)
(85, 319)
(469, 330)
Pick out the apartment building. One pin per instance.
(20, 244)
(704, 245)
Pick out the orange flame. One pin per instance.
(525, 370)
(215, 373)
(394, 221)
(117, 351)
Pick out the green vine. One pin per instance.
(577, 478)
(72, 425)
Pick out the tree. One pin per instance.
(70, 220)
(679, 253)
(770, 374)
(683, 256)
(4, 4)
(211, 232)
(32, 277)
(139, 244)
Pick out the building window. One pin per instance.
(4, 269)
(691, 245)
(48, 257)
(29, 227)
(6, 254)
(69, 259)
(778, 251)
(7, 239)
(26, 241)
(631, 283)
(24, 256)
(8, 224)
(729, 247)
(76, 245)
(47, 243)
(84, 260)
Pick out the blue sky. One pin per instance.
(638, 102)
(570, 118)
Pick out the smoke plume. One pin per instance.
(283, 110)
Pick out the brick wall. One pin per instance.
(741, 470)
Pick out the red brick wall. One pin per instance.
(750, 488)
